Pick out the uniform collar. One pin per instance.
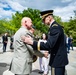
(51, 22)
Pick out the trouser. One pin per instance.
(21, 74)
(68, 48)
(43, 64)
(4, 47)
(71, 45)
(11, 45)
(58, 71)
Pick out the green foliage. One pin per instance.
(34, 14)
(14, 24)
(58, 19)
(3, 26)
(70, 28)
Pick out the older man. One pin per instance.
(56, 44)
(22, 60)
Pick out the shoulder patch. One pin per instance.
(54, 25)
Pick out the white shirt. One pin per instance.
(41, 40)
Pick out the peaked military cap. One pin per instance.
(46, 13)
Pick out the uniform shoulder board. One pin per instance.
(54, 25)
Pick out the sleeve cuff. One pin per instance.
(38, 45)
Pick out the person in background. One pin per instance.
(68, 44)
(11, 42)
(43, 61)
(56, 44)
(5, 41)
(71, 42)
(37, 53)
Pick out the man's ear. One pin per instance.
(49, 16)
(25, 21)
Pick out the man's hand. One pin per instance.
(46, 54)
(27, 39)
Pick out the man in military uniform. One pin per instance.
(56, 44)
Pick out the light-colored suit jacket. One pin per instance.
(22, 59)
(23, 53)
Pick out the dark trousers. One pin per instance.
(11, 46)
(68, 48)
(71, 45)
(58, 71)
(4, 47)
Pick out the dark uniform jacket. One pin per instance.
(5, 39)
(56, 45)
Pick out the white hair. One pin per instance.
(24, 19)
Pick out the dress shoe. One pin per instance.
(41, 72)
(44, 74)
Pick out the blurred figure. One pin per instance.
(5, 41)
(43, 61)
(71, 42)
(67, 43)
(36, 54)
(32, 30)
(11, 42)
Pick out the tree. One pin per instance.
(34, 14)
(70, 28)
(14, 24)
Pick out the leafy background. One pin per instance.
(14, 23)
